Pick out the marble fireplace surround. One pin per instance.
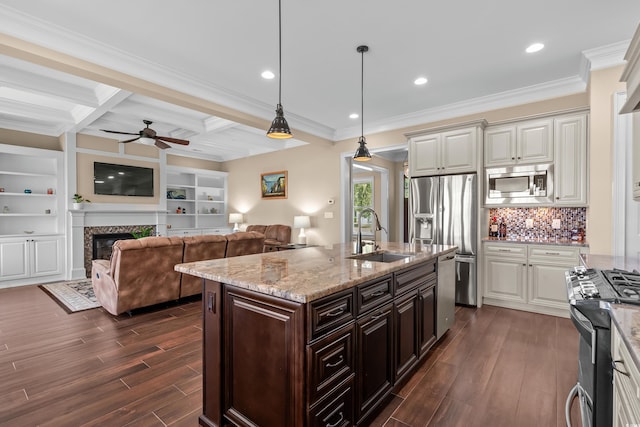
(102, 219)
(89, 232)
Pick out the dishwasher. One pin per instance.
(446, 293)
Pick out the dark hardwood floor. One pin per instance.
(496, 367)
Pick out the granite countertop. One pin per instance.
(627, 319)
(537, 241)
(304, 275)
(608, 262)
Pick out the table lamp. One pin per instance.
(235, 218)
(301, 222)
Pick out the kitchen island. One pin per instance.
(313, 336)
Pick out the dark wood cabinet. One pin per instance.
(264, 351)
(427, 301)
(212, 354)
(406, 325)
(374, 367)
(332, 362)
(336, 410)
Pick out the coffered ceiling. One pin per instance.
(472, 54)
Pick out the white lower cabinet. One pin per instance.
(505, 272)
(31, 260)
(626, 383)
(528, 277)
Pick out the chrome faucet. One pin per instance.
(378, 228)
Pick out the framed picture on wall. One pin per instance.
(273, 185)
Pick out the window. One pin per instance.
(363, 198)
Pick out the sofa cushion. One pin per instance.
(276, 235)
(244, 243)
(258, 228)
(199, 248)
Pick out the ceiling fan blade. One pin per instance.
(161, 144)
(121, 133)
(173, 140)
(130, 140)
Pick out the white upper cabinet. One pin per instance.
(570, 186)
(446, 152)
(519, 144)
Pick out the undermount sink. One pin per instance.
(380, 256)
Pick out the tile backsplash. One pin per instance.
(515, 218)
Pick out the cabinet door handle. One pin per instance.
(615, 368)
(211, 302)
(519, 158)
(524, 265)
(335, 312)
(337, 423)
(337, 363)
(378, 316)
(513, 158)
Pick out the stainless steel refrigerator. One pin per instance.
(444, 211)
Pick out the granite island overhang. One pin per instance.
(304, 275)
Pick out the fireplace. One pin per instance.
(112, 234)
(103, 244)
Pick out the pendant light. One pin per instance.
(279, 127)
(362, 154)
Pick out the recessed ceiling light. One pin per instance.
(267, 75)
(535, 48)
(354, 115)
(420, 81)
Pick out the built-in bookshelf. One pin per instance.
(196, 201)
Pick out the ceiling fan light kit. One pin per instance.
(148, 136)
(279, 127)
(362, 153)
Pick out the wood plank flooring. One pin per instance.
(496, 367)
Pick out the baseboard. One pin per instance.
(527, 307)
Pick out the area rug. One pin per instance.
(73, 296)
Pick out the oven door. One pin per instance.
(586, 364)
(595, 374)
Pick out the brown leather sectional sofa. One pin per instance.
(275, 235)
(140, 272)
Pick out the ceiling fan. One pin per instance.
(150, 135)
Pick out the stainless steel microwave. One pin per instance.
(519, 185)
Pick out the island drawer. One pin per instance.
(336, 410)
(408, 279)
(330, 312)
(329, 362)
(373, 294)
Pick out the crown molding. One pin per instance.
(606, 56)
(534, 93)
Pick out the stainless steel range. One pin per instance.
(591, 293)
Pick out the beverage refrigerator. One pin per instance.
(444, 211)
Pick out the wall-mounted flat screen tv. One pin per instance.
(122, 180)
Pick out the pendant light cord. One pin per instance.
(279, 52)
(362, 95)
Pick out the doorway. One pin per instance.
(386, 175)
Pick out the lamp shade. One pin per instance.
(235, 217)
(301, 221)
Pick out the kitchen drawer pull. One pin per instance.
(552, 253)
(615, 368)
(378, 316)
(337, 423)
(377, 294)
(504, 250)
(335, 312)
(337, 363)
